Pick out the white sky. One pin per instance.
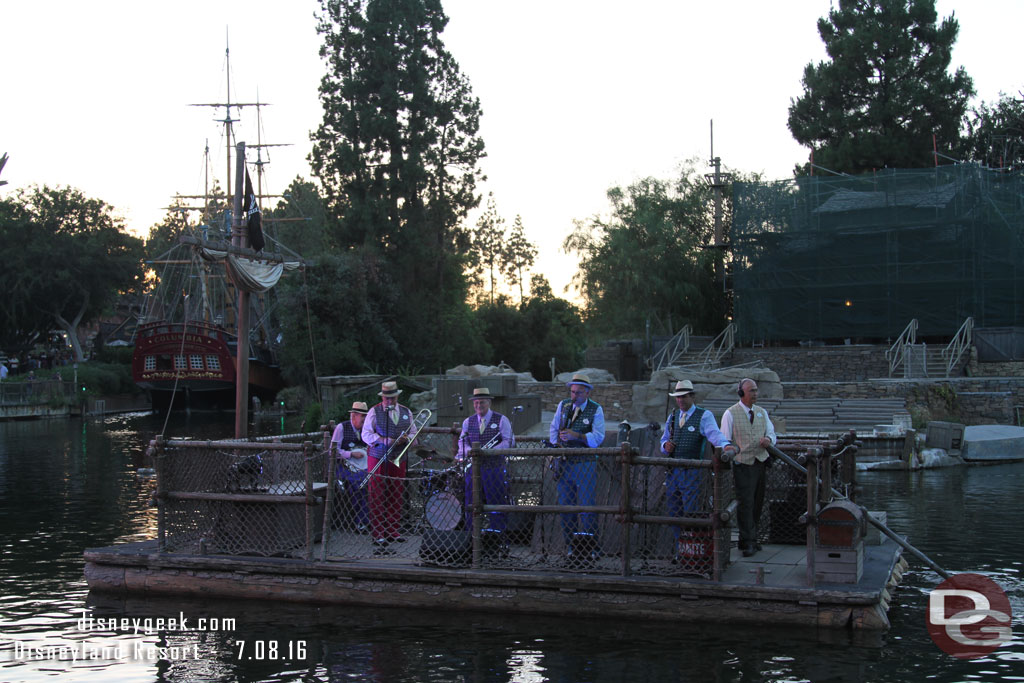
(577, 95)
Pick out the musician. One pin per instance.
(485, 426)
(578, 423)
(350, 453)
(687, 429)
(387, 426)
(748, 426)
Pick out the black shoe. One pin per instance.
(757, 546)
(749, 552)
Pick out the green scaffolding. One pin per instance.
(827, 258)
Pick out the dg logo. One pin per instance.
(969, 616)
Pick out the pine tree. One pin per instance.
(885, 90)
(397, 156)
(519, 255)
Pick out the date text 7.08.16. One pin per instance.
(269, 650)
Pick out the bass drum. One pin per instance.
(443, 511)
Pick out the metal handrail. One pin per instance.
(958, 345)
(677, 346)
(895, 354)
(719, 346)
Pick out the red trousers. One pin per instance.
(386, 498)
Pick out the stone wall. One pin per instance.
(805, 364)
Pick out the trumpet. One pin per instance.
(411, 432)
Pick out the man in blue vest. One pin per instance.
(348, 447)
(578, 423)
(482, 427)
(687, 429)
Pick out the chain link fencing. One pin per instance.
(529, 508)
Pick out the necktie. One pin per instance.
(751, 417)
(480, 425)
(575, 414)
(394, 416)
(682, 419)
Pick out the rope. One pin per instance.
(181, 350)
(309, 324)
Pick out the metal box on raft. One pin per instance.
(839, 543)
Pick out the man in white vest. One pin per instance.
(748, 427)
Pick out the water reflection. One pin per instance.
(69, 485)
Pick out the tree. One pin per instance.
(519, 255)
(885, 90)
(647, 265)
(299, 222)
(397, 157)
(488, 244)
(67, 257)
(995, 134)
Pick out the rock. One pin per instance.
(473, 371)
(424, 399)
(596, 375)
(651, 401)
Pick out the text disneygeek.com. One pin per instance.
(135, 649)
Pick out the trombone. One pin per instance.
(411, 432)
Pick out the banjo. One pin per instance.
(358, 461)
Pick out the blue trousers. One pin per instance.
(494, 480)
(577, 486)
(682, 494)
(350, 482)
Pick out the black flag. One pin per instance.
(252, 216)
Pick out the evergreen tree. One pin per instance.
(519, 256)
(995, 134)
(488, 245)
(885, 90)
(397, 156)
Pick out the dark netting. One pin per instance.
(240, 498)
(829, 257)
(539, 509)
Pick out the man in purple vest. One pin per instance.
(348, 447)
(386, 427)
(482, 427)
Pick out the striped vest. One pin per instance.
(745, 435)
(350, 438)
(389, 430)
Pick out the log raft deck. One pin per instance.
(781, 584)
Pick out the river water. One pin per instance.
(69, 485)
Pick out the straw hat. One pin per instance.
(483, 392)
(359, 407)
(389, 389)
(580, 378)
(683, 387)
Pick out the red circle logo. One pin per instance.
(969, 616)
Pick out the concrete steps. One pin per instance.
(825, 414)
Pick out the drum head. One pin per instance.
(356, 463)
(443, 511)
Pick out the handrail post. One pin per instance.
(625, 504)
(478, 503)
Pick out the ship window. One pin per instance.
(179, 363)
(150, 362)
(212, 334)
(213, 363)
(196, 361)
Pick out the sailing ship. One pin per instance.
(188, 348)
